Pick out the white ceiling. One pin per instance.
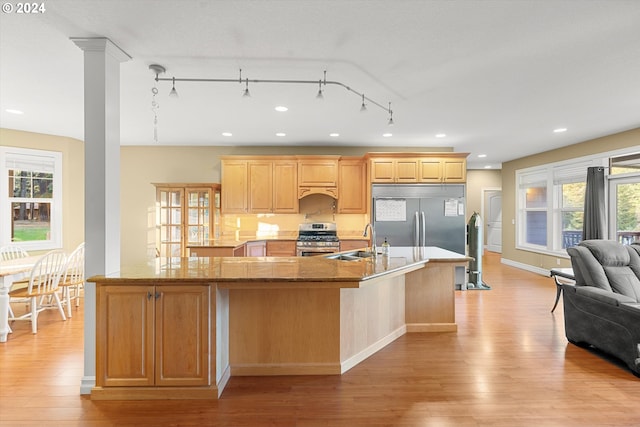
(495, 76)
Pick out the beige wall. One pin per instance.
(72, 178)
(617, 141)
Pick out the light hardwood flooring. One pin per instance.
(509, 364)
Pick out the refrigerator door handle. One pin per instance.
(416, 233)
(424, 229)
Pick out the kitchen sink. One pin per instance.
(351, 256)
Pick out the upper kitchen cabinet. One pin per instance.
(259, 185)
(186, 214)
(418, 167)
(318, 175)
(235, 186)
(352, 186)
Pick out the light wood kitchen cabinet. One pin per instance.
(256, 248)
(352, 186)
(320, 171)
(186, 214)
(419, 168)
(235, 186)
(454, 170)
(353, 244)
(209, 251)
(152, 335)
(285, 179)
(394, 170)
(259, 185)
(281, 248)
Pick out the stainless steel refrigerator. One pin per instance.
(421, 215)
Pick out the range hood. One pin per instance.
(326, 191)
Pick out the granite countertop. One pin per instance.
(265, 270)
(234, 243)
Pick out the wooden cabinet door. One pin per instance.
(454, 170)
(318, 172)
(256, 248)
(350, 245)
(181, 335)
(406, 170)
(281, 248)
(260, 186)
(382, 170)
(285, 182)
(352, 186)
(234, 192)
(430, 170)
(124, 341)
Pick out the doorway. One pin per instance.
(492, 212)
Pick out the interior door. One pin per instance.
(493, 215)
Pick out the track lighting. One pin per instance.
(363, 107)
(159, 69)
(246, 93)
(174, 92)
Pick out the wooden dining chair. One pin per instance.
(43, 282)
(8, 253)
(73, 278)
(12, 252)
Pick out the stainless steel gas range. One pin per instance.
(317, 238)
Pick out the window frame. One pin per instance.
(556, 174)
(6, 200)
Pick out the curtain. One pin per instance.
(594, 224)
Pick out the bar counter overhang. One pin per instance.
(208, 319)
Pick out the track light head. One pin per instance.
(320, 95)
(363, 108)
(246, 93)
(173, 93)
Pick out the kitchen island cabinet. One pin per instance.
(266, 316)
(153, 336)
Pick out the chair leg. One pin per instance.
(59, 304)
(67, 291)
(34, 315)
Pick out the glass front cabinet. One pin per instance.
(186, 214)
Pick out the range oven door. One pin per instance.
(317, 251)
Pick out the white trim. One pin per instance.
(527, 267)
(56, 221)
(87, 383)
(349, 363)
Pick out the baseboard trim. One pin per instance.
(87, 383)
(527, 267)
(372, 349)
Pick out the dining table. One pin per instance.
(11, 271)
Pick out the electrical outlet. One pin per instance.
(558, 261)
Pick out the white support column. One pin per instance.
(102, 61)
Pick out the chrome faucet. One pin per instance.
(374, 249)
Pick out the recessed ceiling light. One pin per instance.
(441, 135)
(387, 135)
(559, 130)
(227, 134)
(281, 108)
(334, 135)
(12, 111)
(482, 156)
(281, 134)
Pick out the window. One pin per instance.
(550, 206)
(31, 198)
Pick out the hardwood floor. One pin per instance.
(509, 364)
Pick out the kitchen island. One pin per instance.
(181, 331)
